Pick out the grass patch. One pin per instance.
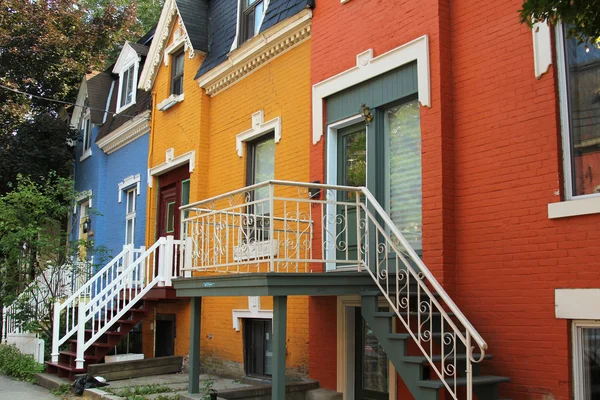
(62, 390)
(138, 392)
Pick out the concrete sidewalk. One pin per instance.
(17, 390)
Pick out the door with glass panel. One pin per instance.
(371, 375)
(351, 171)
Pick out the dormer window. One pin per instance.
(127, 87)
(251, 16)
(86, 133)
(177, 73)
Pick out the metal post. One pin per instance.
(469, 371)
(55, 332)
(194, 367)
(271, 227)
(79, 360)
(187, 263)
(279, 351)
(358, 258)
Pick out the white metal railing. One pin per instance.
(280, 226)
(113, 291)
(34, 302)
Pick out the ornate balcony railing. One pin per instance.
(288, 227)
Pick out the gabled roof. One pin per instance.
(223, 26)
(194, 22)
(130, 52)
(94, 88)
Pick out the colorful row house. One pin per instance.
(397, 200)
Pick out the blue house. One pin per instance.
(111, 159)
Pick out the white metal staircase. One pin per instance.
(288, 227)
(107, 298)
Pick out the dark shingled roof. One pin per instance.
(98, 86)
(194, 14)
(141, 49)
(223, 21)
(143, 101)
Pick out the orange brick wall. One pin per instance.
(281, 89)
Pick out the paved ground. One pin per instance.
(17, 390)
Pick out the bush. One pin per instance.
(18, 365)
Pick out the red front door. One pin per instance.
(170, 199)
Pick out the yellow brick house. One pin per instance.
(230, 83)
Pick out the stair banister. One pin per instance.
(428, 275)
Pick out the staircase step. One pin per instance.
(406, 336)
(65, 367)
(74, 355)
(438, 358)
(107, 333)
(477, 380)
(391, 314)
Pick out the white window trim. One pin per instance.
(172, 162)
(170, 102)
(235, 44)
(542, 48)
(136, 66)
(253, 311)
(259, 128)
(177, 44)
(130, 216)
(127, 183)
(368, 67)
(577, 361)
(86, 152)
(573, 205)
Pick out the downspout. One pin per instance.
(149, 209)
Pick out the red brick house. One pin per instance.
(498, 192)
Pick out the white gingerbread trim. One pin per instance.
(161, 37)
(172, 162)
(259, 128)
(253, 311)
(126, 133)
(367, 68)
(128, 182)
(542, 48)
(257, 52)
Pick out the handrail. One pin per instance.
(424, 270)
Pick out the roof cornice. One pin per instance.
(161, 37)
(257, 52)
(126, 133)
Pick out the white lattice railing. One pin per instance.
(113, 291)
(34, 302)
(279, 226)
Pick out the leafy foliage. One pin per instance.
(18, 365)
(582, 16)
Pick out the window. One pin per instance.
(251, 16)
(580, 114)
(130, 217)
(185, 194)
(586, 358)
(87, 133)
(171, 217)
(177, 73)
(258, 347)
(127, 87)
(260, 168)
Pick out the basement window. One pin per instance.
(586, 358)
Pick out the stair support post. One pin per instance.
(79, 360)
(55, 331)
(167, 270)
(194, 366)
(469, 371)
(279, 351)
(4, 325)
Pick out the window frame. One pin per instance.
(120, 96)
(86, 127)
(248, 337)
(565, 118)
(243, 12)
(576, 339)
(176, 54)
(130, 215)
(257, 230)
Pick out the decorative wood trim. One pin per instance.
(542, 48)
(128, 182)
(368, 67)
(126, 133)
(161, 37)
(253, 311)
(172, 162)
(257, 52)
(127, 58)
(259, 128)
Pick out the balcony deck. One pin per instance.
(275, 284)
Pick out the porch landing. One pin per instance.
(275, 284)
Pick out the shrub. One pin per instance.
(18, 365)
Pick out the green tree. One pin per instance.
(582, 16)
